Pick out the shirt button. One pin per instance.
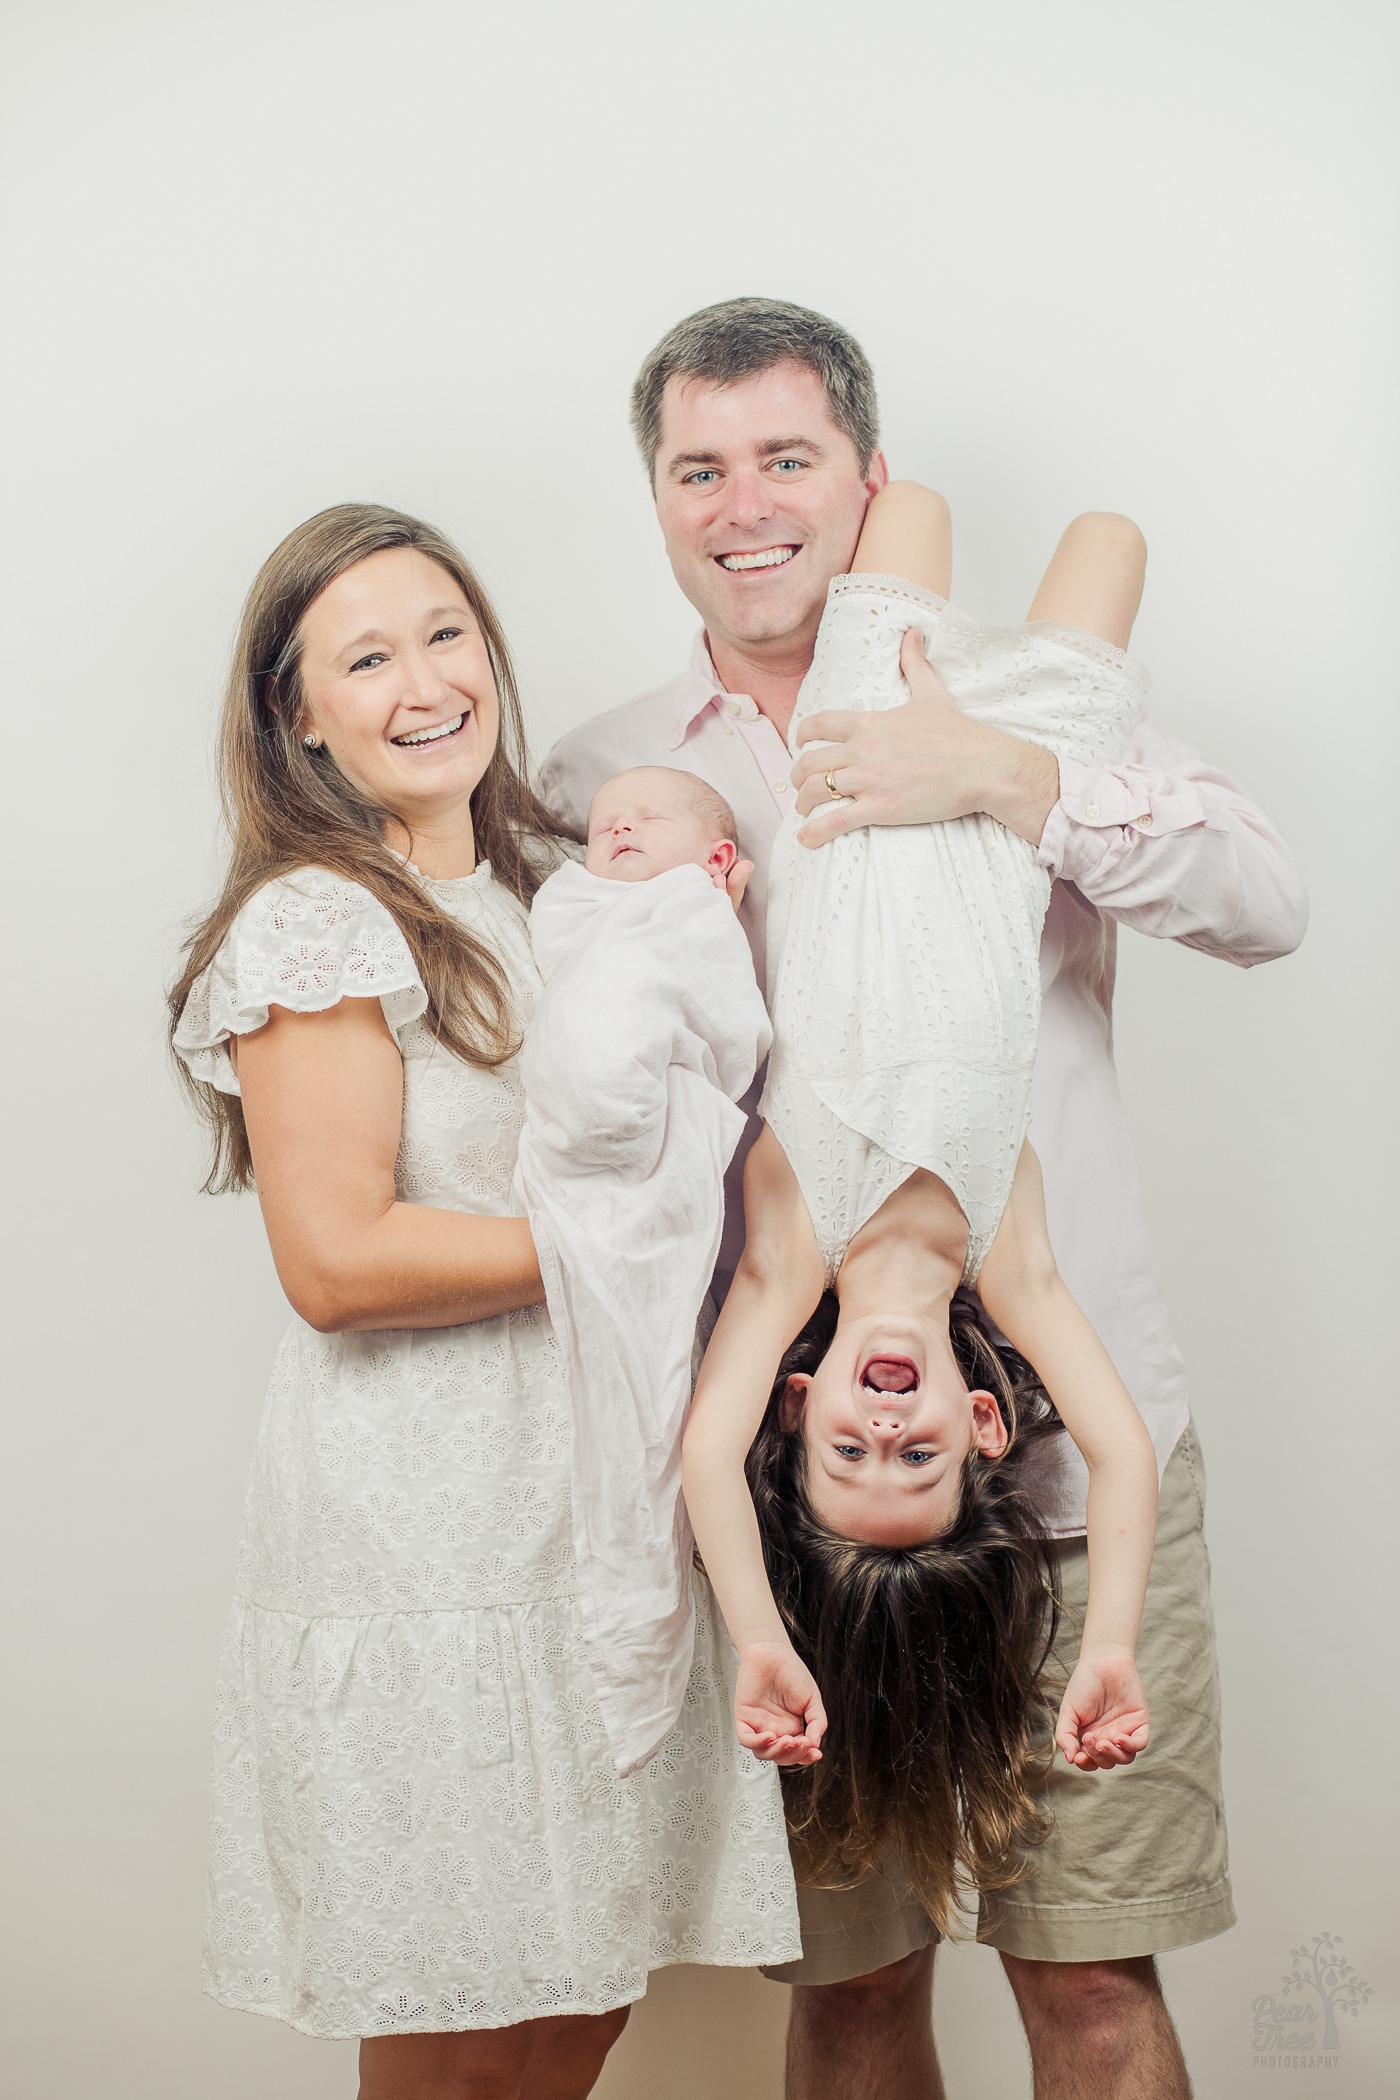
(780, 787)
(733, 706)
(1145, 821)
(1091, 810)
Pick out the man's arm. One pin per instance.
(1160, 841)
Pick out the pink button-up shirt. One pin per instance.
(1160, 842)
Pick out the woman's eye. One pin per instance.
(447, 634)
(376, 656)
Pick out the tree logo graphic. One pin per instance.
(1321, 1986)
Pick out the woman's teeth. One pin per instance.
(431, 736)
(769, 558)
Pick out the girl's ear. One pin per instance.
(989, 1433)
(723, 855)
(793, 1401)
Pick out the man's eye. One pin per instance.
(789, 462)
(376, 656)
(701, 476)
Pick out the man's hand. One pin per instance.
(1103, 1715)
(919, 764)
(778, 1710)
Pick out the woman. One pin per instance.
(418, 1835)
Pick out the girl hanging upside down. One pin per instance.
(856, 1459)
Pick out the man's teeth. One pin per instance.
(430, 736)
(769, 558)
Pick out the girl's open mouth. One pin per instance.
(890, 1374)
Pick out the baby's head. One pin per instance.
(651, 818)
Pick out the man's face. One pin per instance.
(761, 498)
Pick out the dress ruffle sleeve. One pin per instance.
(305, 942)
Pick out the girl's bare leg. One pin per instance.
(1094, 581)
(908, 532)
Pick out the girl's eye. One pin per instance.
(849, 1451)
(916, 1458)
(376, 656)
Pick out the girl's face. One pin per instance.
(397, 685)
(888, 1424)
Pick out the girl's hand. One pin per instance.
(1103, 1715)
(778, 1710)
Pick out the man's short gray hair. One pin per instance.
(741, 336)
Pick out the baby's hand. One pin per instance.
(778, 1710)
(1103, 1715)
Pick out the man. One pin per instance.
(757, 421)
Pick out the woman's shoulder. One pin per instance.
(304, 940)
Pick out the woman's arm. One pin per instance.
(1103, 1719)
(323, 1098)
(776, 1287)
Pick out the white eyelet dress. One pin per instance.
(417, 1826)
(904, 960)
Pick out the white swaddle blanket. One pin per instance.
(649, 1028)
(904, 960)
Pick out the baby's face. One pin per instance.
(641, 823)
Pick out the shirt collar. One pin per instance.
(698, 688)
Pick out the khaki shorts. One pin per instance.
(1136, 1860)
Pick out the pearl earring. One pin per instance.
(312, 743)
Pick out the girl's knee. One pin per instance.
(1107, 535)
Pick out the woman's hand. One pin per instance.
(1103, 1715)
(737, 881)
(778, 1710)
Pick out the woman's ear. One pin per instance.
(723, 855)
(793, 1401)
(989, 1432)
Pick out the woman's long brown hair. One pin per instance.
(928, 1657)
(286, 807)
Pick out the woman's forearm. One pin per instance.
(412, 1266)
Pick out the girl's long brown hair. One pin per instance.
(287, 807)
(928, 1657)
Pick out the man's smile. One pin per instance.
(761, 558)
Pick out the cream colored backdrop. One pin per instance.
(259, 258)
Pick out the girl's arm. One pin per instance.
(323, 1098)
(1103, 1718)
(776, 1287)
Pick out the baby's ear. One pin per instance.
(793, 1401)
(723, 855)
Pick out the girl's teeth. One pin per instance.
(430, 736)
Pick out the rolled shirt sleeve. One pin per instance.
(1165, 844)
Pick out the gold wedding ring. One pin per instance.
(830, 778)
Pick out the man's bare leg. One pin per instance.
(868, 2039)
(1098, 2030)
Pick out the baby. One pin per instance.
(649, 1029)
(653, 818)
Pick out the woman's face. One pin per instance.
(397, 685)
(888, 1424)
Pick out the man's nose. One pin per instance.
(750, 499)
